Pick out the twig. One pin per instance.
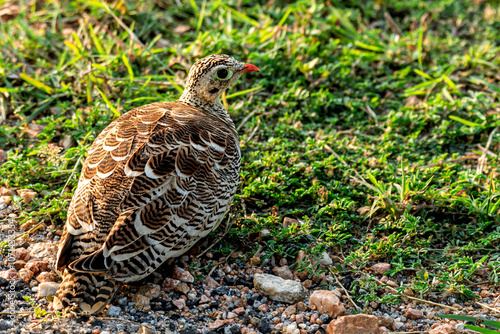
(370, 112)
(483, 158)
(404, 295)
(392, 24)
(482, 149)
(33, 229)
(488, 307)
(496, 300)
(343, 288)
(71, 175)
(245, 120)
(123, 25)
(329, 149)
(138, 80)
(413, 298)
(469, 157)
(212, 270)
(479, 283)
(133, 35)
(253, 132)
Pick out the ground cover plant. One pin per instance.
(372, 129)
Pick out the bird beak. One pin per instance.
(250, 68)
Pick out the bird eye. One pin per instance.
(223, 74)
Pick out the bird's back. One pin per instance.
(155, 181)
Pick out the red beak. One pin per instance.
(250, 68)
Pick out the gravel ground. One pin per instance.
(225, 301)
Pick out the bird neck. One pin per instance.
(214, 107)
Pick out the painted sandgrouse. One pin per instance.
(156, 180)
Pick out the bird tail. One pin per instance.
(91, 292)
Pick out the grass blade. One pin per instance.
(465, 122)
(110, 106)
(423, 74)
(243, 92)
(129, 68)
(457, 317)
(179, 88)
(96, 40)
(36, 83)
(481, 330)
(419, 46)
(285, 16)
(200, 17)
(241, 16)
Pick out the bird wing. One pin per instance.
(178, 168)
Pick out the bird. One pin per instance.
(155, 181)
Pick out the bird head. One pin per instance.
(211, 76)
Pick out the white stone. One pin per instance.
(325, 259)
(47, 289)
(114, 311)
(278, 289)
(292, 328)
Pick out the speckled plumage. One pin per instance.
(155, 181)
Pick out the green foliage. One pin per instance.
(368, 131)
(477, 321)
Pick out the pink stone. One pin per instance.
(263, 308)
(45, 250)
(150, 290)
(380, 268)
(354, 324)
(307, 284)
(21, 254)
(204, 299)
(141, 302)
(169, 284)
(5, 191)
(210, 283)
(327, 303)
(5, 200)
(9, 274)
(26, 194)
(46, 277)
(413, 314)
(219, 323)
(443, 329)
(283, 272)
(37, 266)
(239, 310)
(179, 303)
(26, 275)
(182, 275)
(19, 264)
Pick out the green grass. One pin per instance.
(372, 133)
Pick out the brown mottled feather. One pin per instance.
(156, 180)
